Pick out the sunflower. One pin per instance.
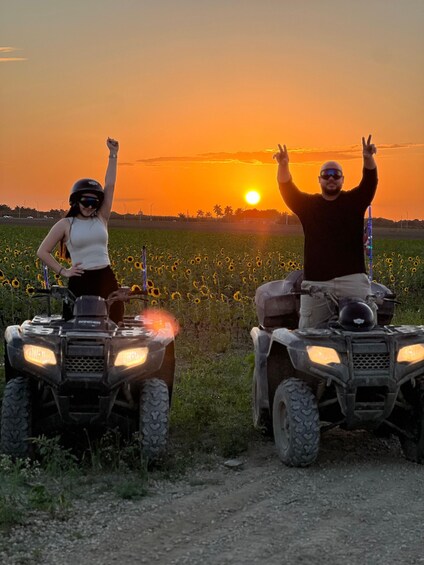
(176, 295)
(196, 300)
(135, 288)
(137, 265)
(15, 283)
(2, 276)
(29, 290)
(130, 259)
(150, 283)
(204, 290)
(237, 296)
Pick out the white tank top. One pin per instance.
(87, 243)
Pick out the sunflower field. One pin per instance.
(206, 280)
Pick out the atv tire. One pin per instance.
(16, 418)
(296, 423)
(413, 448)
(154, 418)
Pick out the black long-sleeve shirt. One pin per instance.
(333, 229)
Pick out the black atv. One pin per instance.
(87, 372)
(351, 373)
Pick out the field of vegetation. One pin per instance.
(208, 282)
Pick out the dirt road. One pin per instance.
(360, 504)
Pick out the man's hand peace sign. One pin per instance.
(368, 148)
(282, 157)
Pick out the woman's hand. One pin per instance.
(113, 145)
(74, 271)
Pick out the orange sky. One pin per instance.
(199, 95)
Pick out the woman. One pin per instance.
(83, 236)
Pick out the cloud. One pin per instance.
(297, 155)
(10, 59)
(129, 199)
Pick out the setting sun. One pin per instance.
(252, 197)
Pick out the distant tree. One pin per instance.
(238, 211)
(181, 215)
(217, 210)
(228, 211)
(200, 213)
(208, 215)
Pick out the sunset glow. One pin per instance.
(252, 197)
(199, 108)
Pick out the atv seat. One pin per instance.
(278, 302)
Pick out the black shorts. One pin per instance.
(97, 282)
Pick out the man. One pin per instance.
(333, 226)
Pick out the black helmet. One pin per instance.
(86, 185)
(356, 315)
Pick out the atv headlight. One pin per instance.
(131, 357)
(411, 353)
(37, 355)
(322, 355)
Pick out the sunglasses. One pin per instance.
(89, 201)
(328, 173)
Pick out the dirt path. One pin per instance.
(361, 503)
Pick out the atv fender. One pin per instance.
(261, 340)
(292, 345)
(280, 364)
(13, 350)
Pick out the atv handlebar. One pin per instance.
(122, 294)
